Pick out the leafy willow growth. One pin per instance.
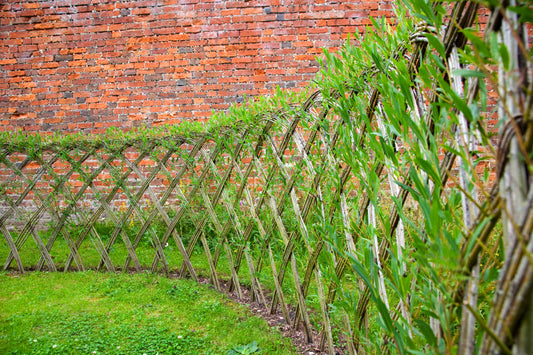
(369, 211)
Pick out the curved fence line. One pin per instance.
(293, 208)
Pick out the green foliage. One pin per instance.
(408, 132)
(247, 115)
(95, 313)
(250, 348)
(374, 221)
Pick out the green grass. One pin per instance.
(101, 313)
(30, 254)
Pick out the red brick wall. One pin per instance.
(85, 65)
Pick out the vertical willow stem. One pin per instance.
(513, 328)
(382, 289)
(515, 181)
(469, 199)
(395, 191)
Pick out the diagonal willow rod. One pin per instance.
(30, 222)
(134, 206)
(57, 188)
(279, 230)
(465, 17)
(158, 204)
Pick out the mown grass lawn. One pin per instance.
(103, 313)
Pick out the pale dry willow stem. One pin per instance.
(465, 139)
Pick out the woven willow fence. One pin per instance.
(368, 212)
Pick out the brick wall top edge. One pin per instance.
(86, 65)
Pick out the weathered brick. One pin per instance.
(88, 65)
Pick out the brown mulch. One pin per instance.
(276, 321)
